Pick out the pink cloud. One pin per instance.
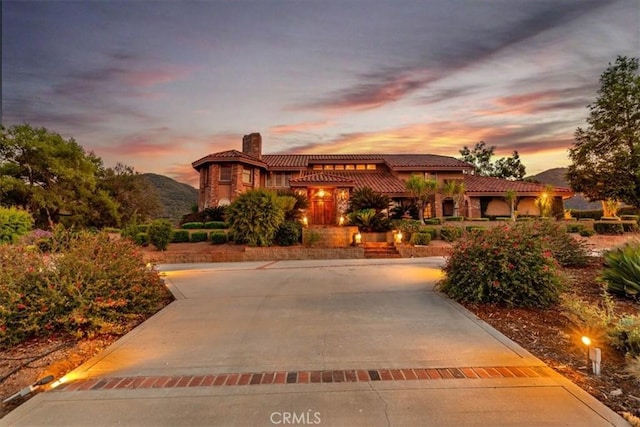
(183, 173)
(156, 76)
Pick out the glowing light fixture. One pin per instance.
(341, 220)
(586, 341)
(305, 221)
(321, 193)
(357, 238)
(398, 237)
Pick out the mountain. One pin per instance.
(176, 198)
(556, 177)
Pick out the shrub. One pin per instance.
(198, 236)
(587, 232)
(254, 217)
(294, 212)
(630, 226)
(453, 218)
(475, 228)
(568, 251)
(218, 237)
(160, 232)
(141, 239)
(365, 198)
(95, 285)
(635, 218)
(478, 219)
(215, 225)
(407, 226)
(503, 218)
(218, 213)
(622, 270)
(41, 239)
(420, 238)
(310, 237)
(192, 225)
(625, 336)
(450, 233)
(593, 214)
(608, 227)
(288, 233)
(180, 236)
(433, 221)
(505, 265)
(14, 223)
(575, 228)
(594, 319)
(431, 230)
(143, 228)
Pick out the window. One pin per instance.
(371, 167)
(339, 167)
(349, 167)
(277, 179)
(328, 167)
(225, 173)
(317, 167)
(360, 167)
(247, 176)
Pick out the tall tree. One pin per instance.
(606, 154)
(454, 189)
(505, 167)
(421, 190)
(45, 174)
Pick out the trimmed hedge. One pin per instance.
(198, 236)
(608, 227)
(453, 218)
(592, 214)
(587, 232)
(141, 239)
(450, 233)
(473, 228)
(431, 230)
(477, 219)
(180, 236)
(575, 228)
(215, 225)
(433, 221)
(192, 225)
(630, 217)
(218, 237)
(420, 238)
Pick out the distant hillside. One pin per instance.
(556, 177)
(176, 198)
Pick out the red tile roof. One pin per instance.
(423, 161)
(379, 181)
(482, 185)
(229, 156)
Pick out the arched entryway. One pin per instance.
(448, 207)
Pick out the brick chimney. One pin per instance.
(252, 145)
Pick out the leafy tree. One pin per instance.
(421, 190)
(505, 167)
(45, 174)
(134, 196)
(366, 198)
(606, 154)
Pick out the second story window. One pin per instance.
(247, 176)
(225, 173)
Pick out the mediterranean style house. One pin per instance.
(328, 180)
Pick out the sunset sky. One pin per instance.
(159, 84)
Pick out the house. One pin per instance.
(328, 180)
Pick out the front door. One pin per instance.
(323, 211)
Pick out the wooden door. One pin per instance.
(323, 212)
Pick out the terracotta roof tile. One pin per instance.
(379, 181)
(423, 161)
(229, 155)
(484, 184)
(320, 178)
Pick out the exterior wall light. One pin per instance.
(305, 221)
(397, 237)
(341, 220)
(357, 238)
(321, 193)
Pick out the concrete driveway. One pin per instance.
(336, 342)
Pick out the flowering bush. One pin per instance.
(92, 285)
(13, 224)
(568, 251)
(502, 265)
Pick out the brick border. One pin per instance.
(306, 377)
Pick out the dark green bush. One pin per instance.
(420, 238)
(587, 232)
(192, 225)
(475, 228)
(198, 236)
(622, 270)
(433, 221)
(451, 233)
(407, 226)
(142, 228)
(289, 233)
(608, 227)
(254, 217)
(507, 265)
(575, 228)
(215, 225)
(14, 223)
(431, 230)
(159, 233)
(594, 214)
(218, 213)
(625, 336)
(635, 218)
(628, 210)
(141, 239)
(630, 226)
(180, 236)
(503, 218)
(478, 219)
(218, 237)
(453, 218)
(95, 285)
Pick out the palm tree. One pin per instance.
(421, 190)
(454, 189)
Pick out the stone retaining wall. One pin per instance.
(408, 251)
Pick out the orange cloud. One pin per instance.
(183, 173)
(298, 127)
(146, 78)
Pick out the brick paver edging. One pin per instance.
(306, 377)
